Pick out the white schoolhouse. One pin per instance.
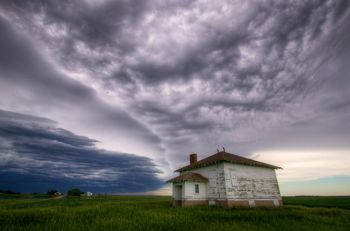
(228, 180)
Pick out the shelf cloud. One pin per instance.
(36, 155)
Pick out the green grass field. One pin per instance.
(156, 213)
(325, 201)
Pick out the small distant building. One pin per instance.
(228, 180)
(86, 194)
(57, 194)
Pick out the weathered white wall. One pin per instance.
(233, 181)
(250, 182)
(189, 191)
(216, 184)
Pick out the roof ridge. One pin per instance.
(229, 157)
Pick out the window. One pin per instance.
(196, 188)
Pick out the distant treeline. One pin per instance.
(8, 191)
(71, 192)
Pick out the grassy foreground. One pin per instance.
(156, 213)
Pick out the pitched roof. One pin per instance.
(226, 157)
(191, 176)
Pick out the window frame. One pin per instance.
(196, 188)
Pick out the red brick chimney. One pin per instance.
(193, 158)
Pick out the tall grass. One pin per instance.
(156, 213)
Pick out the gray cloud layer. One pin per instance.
(36, 155)
(184, 76)
(31, 83)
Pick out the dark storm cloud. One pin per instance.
(198, 74)
(37, 155)
(85, 22)
(85, 27)
(28, 78)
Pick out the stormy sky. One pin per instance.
(112, 96)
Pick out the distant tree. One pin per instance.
(51, 191)
(74, 192)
